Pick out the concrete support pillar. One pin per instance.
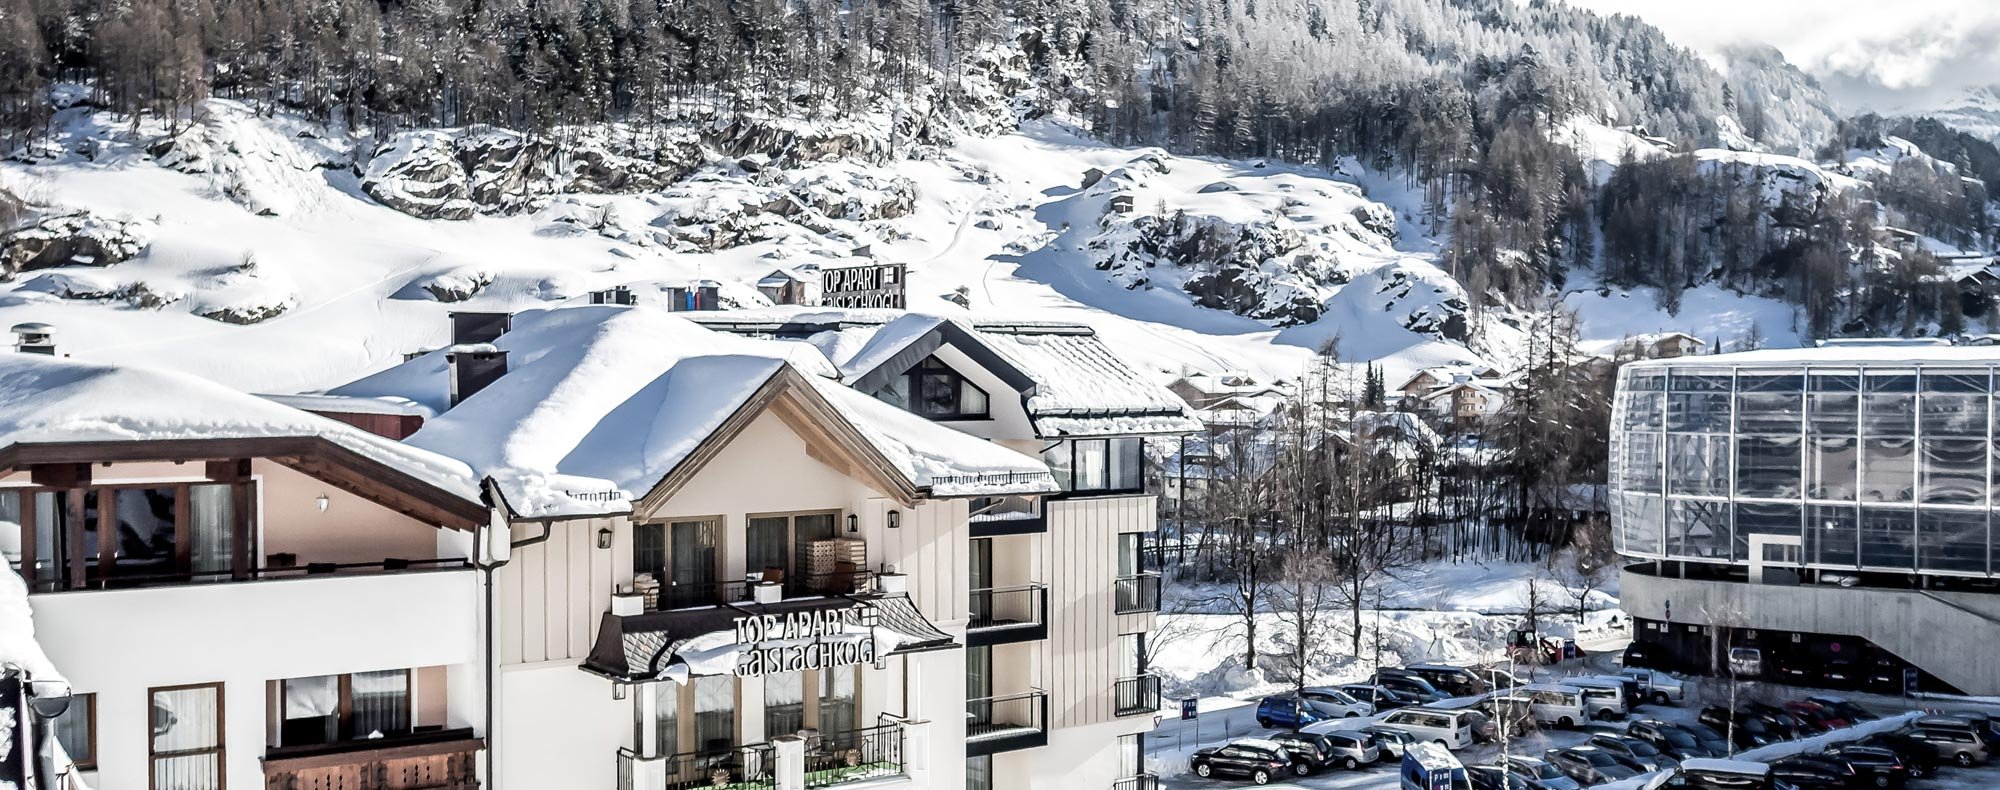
(916, 750)
(790, 771)
(646, 703)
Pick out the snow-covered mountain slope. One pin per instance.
(1976, 113)
(258, 251)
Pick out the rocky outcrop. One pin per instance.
(419, 174)
(454, 174)
(857, 195)
(458, 284)
(1261, 271)
(71, 239)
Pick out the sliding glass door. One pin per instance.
(691, 563)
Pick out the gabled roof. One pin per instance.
(604, 404)
(66, 411)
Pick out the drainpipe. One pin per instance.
(491, 554)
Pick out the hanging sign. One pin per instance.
(755, 630)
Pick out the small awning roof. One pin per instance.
(683, 643)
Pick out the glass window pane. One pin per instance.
(808, 530)
(1763, 519)
(1127, 459)
(187, 720)
(1698, 464)
(381, 703)
(1697, 529)
(1889, 415)
(1059, 461)
(1770, 412)
(1831, 462)
(1832, 535)
(784, 703)
(714, 713)
(1091, 464)
(311, 711)
(666, 717)
(1954, 471)
(838, 687)
(1888, 538)
(649, 550)
(1644, 523)
(10, 527)
(765, 540)
(1888, 470)
(51, 533)
(1643, 411)
(145, 533)
(1768, 466)
(73, 729)
(212, 513)
(1642, 462)
(692, 578)
(1698, 411)
(1833, 414)
(971, 399)
(1952, 540)
(1953, 414)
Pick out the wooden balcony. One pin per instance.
(437, 760)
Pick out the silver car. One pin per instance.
(1659, 687)
(1352, 749)
(1538, 773)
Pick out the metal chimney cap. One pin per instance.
(33, 328)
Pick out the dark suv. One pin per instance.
(1258, 760)
(1674, 740)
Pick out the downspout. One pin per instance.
(487, 562)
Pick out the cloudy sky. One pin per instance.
(1870, 54)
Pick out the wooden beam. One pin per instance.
(60, 475)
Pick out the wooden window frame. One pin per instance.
(667, 545)
(344, 708)
(220, 750)
(791, 517)
(913, 379)
(75, 573)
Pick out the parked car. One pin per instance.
(1389, 742)
(1589, 766)
(1488, 777)
(1512, 712)
(1603, 699)
(1815, 714)
(1634, 750)
(1709, 738)
(1428, 766)
(1840, 706)
(1502, 679)
(1783, 721)
(1256, 759)
(1746, 731)
(1919, 757)
(1810, 773)
(1451, 729)
(1381, 699)
(1716, 774)
(1308, 752)
(1456, 681)
(1672, 740)
(1561, 706)
(1871, 765)
(1659, 687)
(1407, 685)
(1633, 696)
(1987, 728)
(1746, 662)
(1958, 744)
(1351, 749)
(1337, 700)
(1540, 774)
(1291, 713)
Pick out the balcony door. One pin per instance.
(980, 580)
(686, 554)
(788, 547)
(978, 686)
(121, 536)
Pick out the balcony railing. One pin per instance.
(1006, 723)
(681, 595)
(839, 758)
(749, 767)
(1008, 614)
(1138, 594)
(1007, 515)
(438, 760)
(1136, 695)
(1138, 782)
(123, 581)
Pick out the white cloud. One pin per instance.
(1870, 55)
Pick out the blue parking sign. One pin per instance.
(1188, 712)
(1910, 682)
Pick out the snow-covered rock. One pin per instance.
(857, 195)
(418, 173)
(268, 166)
(247, 293)
(72, 239)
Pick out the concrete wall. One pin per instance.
(119, 644)
(1950, 635)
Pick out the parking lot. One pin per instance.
(1168, 747)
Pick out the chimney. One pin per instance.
(472, 367)
(472, 328)
(35, 338)
(620, 295)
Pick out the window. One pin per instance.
(1131, 655)
(337, 708)
(783, 544)
(932, 389)
(186, 745)
(838, 688)
(714, 713)
(76, 730)
(1098, 465)
(979, 773)
(690, 563)
(784, 703)
(666, 717)
(169, 532)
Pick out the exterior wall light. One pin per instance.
(895, 519)
(322, 502)
(617, 690)
(853, 523)
(604, 537)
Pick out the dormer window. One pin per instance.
(932, 389)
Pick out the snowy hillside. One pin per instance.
(264, 252)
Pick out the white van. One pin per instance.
(1449, 728)
(1561, 706)
(1604, 699)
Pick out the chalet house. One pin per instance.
(1204, 390)
(1466, 403)
(240, 593)
(1660, 345)
(1977, 289)
(1428, 380)
(786, 286)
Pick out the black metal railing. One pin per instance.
(1013, 713)
(1140, 593)
(1138, 782)
(685, 595)
(1136, 695)
(742, 768)
(1009, 607)
(122, 581)
(842, 757)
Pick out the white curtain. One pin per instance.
(212, 508)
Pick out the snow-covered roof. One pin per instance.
(50, 400)
(601, 402)
(781, 276)
(1838, 355)
(1725, 766)
(398, 407)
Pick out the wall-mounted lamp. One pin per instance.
(617, 690)
(322, 502)
(895, 519)
(853, 523)
(604, 542)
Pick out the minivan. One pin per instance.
(1449, 728)
(1604, 699)
(1561, 706)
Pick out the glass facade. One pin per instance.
(1876, 466)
